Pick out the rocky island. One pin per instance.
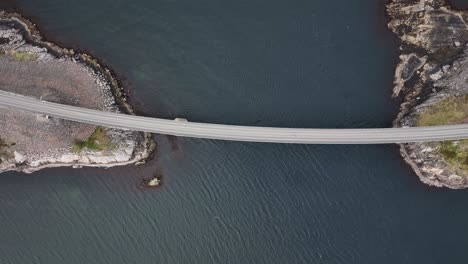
(432, 79)
(31, 66)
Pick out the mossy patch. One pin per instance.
(455, 153)
(5, 152)
(445, 54)
(450, 111)
(446, 112)
(23, 56)
(98, 141)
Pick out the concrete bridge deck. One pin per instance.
(235, 133)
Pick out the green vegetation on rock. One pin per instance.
(23, 56)
(449, 112)
(5, 153)
(455, 153)
(446, 112)
(98, 141)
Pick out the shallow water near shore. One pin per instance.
(267, 63)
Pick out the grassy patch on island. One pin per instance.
(5, 153)
(450, 111)
(98, 141)
(455, 153)
(23, 56)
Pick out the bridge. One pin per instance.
(232, 132)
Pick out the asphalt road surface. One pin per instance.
(235, 133)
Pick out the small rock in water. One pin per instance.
(154, 182)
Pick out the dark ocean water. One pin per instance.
(303, 63)
(459, 3)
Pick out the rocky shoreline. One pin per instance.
(432, 77)
(32, 66)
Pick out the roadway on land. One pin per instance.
(235, 133)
